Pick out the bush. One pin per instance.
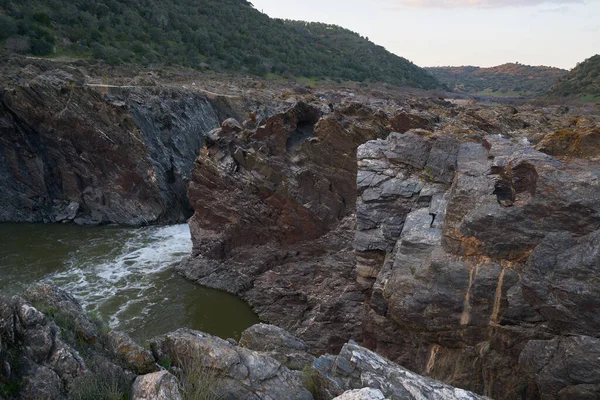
(18, 44)
(41, 47)
(101, 383)
(93, 387)
(197, 381)
(8, 27)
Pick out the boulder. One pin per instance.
(238, 372)
(129, 352)
(361, 394)
(159, 385)
(277, 343)
(357, 367)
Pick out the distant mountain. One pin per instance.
(582, 82)
(511, 79)
(218, 34)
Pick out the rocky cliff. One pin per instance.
(456, 240)
(71, 150)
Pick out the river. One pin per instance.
(123, 275)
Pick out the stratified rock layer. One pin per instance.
(273, 221)
(471, 270)
(73, 152)
(467, 249)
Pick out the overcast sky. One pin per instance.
(558, 33)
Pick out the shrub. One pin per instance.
(94, 387)
(198, 381)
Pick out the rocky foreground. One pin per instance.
(51, 349)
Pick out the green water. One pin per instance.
(122, 274)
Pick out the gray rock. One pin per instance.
(71, 210)
(29, 316)
(43, 350)
(132, 354)
(63, 303)
(562, 282)
(38, 343)
(159, 385)
(564, 367)
(43, 384)
(231, 125)
(277, 343)
(361, 394)
(356, 367)
(243, 373)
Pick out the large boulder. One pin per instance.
(159, 385)
(239, 373)
(356, 367)
(277, 343)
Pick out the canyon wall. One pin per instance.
(97, 153)
(458, 241)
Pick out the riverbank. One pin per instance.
(122, 275)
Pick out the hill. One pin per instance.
(218, 34)
(582, 82)
(511, 79)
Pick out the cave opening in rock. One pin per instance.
(304, 131)
(504, 192)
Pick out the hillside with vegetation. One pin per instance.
(224, 35)
(512, 79)
(582, 82)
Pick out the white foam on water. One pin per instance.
(123, 274)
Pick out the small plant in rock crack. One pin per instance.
(95, 387)
(198, 381)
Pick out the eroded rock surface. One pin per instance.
(273, 220)
(242, 373)
(470, 236)
(468, 270)
(357, 367)
(50, 349)
(97, 154)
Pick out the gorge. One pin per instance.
(456, 240)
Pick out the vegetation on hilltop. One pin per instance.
(219, 34)
(582, 82)
(512, 79)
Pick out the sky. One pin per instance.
(558, 33)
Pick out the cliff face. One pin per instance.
(70, 151)
(272, 222)
(465, 253)
(472, 280)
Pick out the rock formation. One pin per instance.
(472, 228)
(49, 346)
(97, 154)
(459, 241)
(272, 221)
(61, 352)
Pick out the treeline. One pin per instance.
(583, 81)
(506, 79)
(218, 34)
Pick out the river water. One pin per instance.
(122, 274)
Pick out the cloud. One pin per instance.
(477, 3)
